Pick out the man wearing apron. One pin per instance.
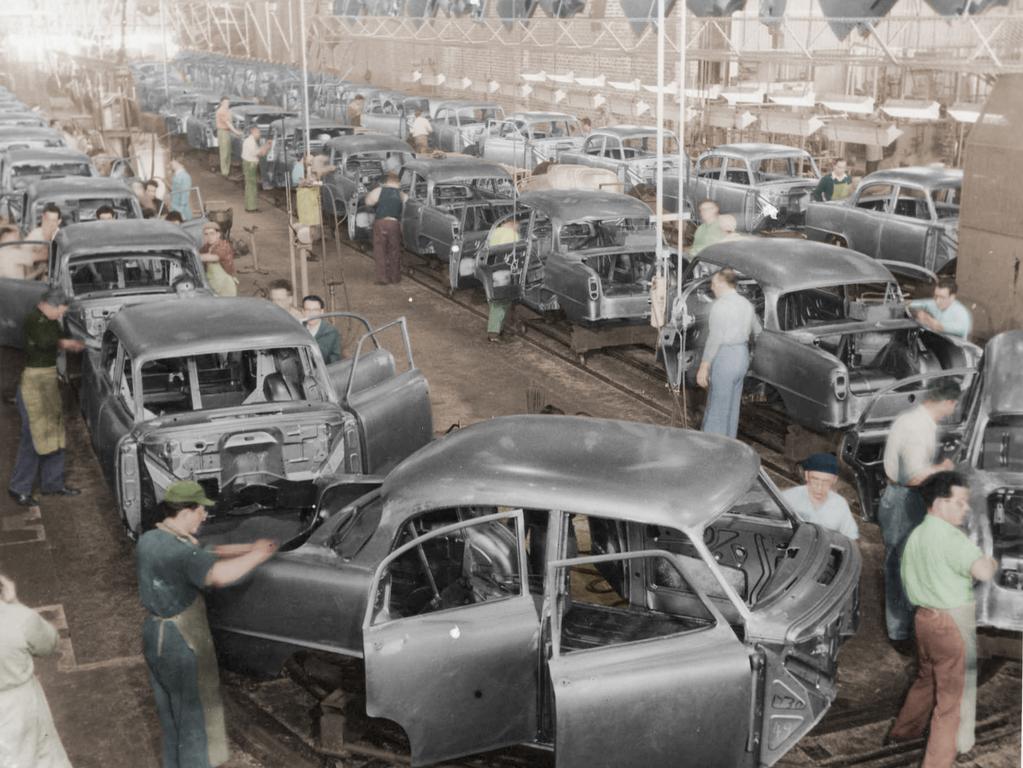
(173, 570)
(939, 564)
(836, 185)
(41, 448)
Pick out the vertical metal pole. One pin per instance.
(683, 160)
(163, 34)
(269, 36)
(659, 198)
(305, 74)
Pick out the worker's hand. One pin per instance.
(946, 466)
(266, 548)
(703, 375)
(8, 593)
(71, 345)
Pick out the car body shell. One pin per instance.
(894, 215)
(982, 439)
(452, 226)
(729, 176)
(287, 138)
(546, 270)
(360, 162)
(250, 116)
(78, 198)
(50, 162)
(27, 119)
(12, 136)
(392, 113)
(608, 148)
(745, 681)
(356, 416)
(201, 124)
(514, 141)
(825, 373)
(457, 124)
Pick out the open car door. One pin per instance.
(18, 297)
(863, 445)
(451, 637)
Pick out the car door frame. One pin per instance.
(425, 694)
(860, 219)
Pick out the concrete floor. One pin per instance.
(74, 560)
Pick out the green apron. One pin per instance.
(965, 618)
(41, 394)
(220, 281)
(842, 190)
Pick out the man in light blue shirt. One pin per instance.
(944, 313)
(815, 502)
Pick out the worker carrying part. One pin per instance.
(41, 448)
(173, 570)
(506, 233)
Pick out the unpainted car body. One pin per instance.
(233, 393)
(78, 199)
(360, 160)
(983, 437)
(457, 124)
(452, 205)
(253, 115)
(26, 118)
(902, 214)
(177, 109)
(287, 137)
(590, 254)
(629, 151)
(762, 185)
(392, 113)
(20, 168)
(836, 330)
(12, 136)
(460, 616)
(201, 124)
(527, 139)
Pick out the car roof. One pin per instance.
(617, 469)
(538, 116)
(463, 104)
(368, 142)
(628, 131)
(204, 325)
(28, 131)
(792, 264)
(78, 186)
(42, 154)
(449, 169)
(20, 114)
(752, 150)
(1003, 359)
(314, 122)
(122, 234)
(572, 205)
(921, 175)
(260, 109)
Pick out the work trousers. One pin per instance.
(937, 690)
(900, 511)
(251, 172)
(497, 314)
(224, 146)
(727, 371)
(28, 464)
(421, 144)
(387, 250)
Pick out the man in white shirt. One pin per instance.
(815, 502)
(421, 130)
(45, 232)
(909, 455)
(251, 154)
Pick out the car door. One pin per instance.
(863, 445)
(867, 216)
(703, 184)
(444, 131)
(733, 190)
(620, 665)
(114, 416)
(450, 639)
(905, 232)
(592, 152)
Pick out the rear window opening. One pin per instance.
(128, 272)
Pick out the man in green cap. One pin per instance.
(173, 571)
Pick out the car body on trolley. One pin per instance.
(457, 124)
(452, 205)
(250, 116)
(78, 198)
(288, 145)
(527, 139)
(201, 124)
(392, 113)
(20, 168)
(903, 214)
(629, 151)
(234, 393)
(26, 136)
(836, 330)
(360, 162)
(458, 582)
(590, 254)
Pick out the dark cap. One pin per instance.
(187, 492)
(821, 462)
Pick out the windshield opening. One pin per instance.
(639, 146)
(152, 273)
(607, 233)
(552, 129)
(768, 169)
(85, 209)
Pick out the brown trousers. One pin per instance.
(936, 693)
(387, 250)
(421, 144)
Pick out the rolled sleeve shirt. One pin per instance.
(936, 565)
(421, 127)
(955, 321)
(911, 446)
(732, 321)
(223, 118)
(833, 514)
(250, 150)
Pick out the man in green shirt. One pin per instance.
(708, 232)
(836, 185)
(939, 564)
(41, 448)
